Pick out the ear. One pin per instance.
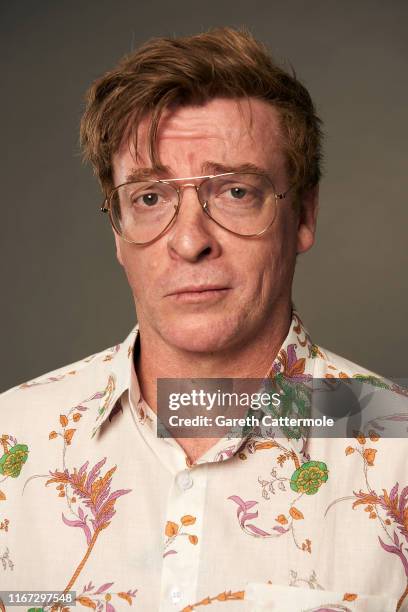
(118, 243)
(307, 219)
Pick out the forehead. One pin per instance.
(227, 131)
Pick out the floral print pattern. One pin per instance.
(309, 477)
(88, 488)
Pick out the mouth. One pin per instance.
(199, 293)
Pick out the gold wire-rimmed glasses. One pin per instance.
(243, 203)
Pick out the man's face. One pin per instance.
(253, 275)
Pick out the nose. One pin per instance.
(191, 237)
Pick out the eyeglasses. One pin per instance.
(244, 204)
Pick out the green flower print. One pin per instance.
(371, 380)
(12, 461)
(309, 477)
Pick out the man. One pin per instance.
(208, 155)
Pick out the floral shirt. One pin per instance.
(93, 501)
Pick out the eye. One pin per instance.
(147, 199)
(238, 192)
(150, 199)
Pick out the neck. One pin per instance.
(253, 359)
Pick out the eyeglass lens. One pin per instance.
(242, 203)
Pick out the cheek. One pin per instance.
(271, 267)
(134, 267)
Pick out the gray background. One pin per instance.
(63, 294)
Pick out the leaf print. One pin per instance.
(296, 514)
(63, 420)
(6, 562)
(108, 393)
(104, 588)
(360, 437)
(374, 437)
(126, 597)
(86, 602)
(225, 596)
(349, 597)
(312, 580)
(298, 367)
(244, 516)
(171, 529)
(277, 531)
(295, 402)
(369, 455)
(364, 498)
(187, 519)
(282, 519)
(68, 435)
(315, 352)
(349, 450)
(290, 365)
(256, 530)
(12, 461)
(397, 550)
(45, 381)
(393, 504)
(79, 523)
(373, 380)
(280, 529)
(2, 496)
(53, 434)
(100, 599)
(94, 492)
(307, 546)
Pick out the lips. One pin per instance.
(195, 294)
(198, 289)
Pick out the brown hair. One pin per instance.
(223, 62)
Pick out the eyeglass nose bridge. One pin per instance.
(180, 190)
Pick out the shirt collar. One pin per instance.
(293, 360)
(118, 378)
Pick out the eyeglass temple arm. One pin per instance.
(104, 207)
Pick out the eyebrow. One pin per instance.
(209, 167)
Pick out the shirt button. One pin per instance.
(175, 595)
(184, 480)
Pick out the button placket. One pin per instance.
(184, 480)
(181, 563)
(175, 595)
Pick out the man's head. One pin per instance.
(176, 107)
(223, 63)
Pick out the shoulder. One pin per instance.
(66, 372)
(376, 403)
(328, 364)
(56, 392)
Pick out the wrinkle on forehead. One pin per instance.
(173, 122)
(189, 122)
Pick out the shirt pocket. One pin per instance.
(275, 598)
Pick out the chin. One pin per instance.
(202, 334)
